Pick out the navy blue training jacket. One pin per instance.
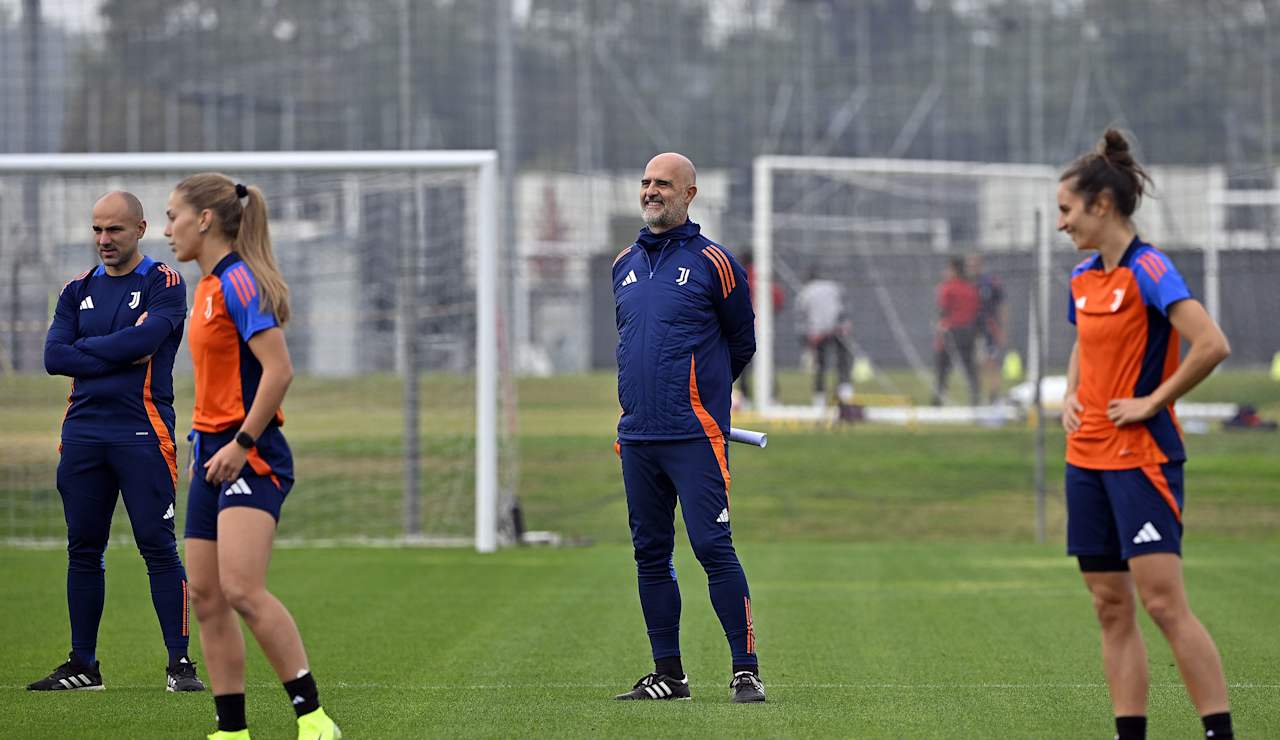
(686, 330)
(95, 338)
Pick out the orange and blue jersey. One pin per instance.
(686, 330)
(1126, 347)
(122, 370)
(226, 313)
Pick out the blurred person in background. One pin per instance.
(242, 466)
(826, 328)
(992, 316)
(115, 332)
(957, 330)
(686, 330)
(1124, 475)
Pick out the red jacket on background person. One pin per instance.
(958, 302)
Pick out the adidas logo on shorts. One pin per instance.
(239, 487)
(1148, 533)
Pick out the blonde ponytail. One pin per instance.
(244, 224)
(254, 247)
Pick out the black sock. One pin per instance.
(669, 667)
(303, 693)
(1218, 726)
(230, 709)
(753, 669)
(1131, 728)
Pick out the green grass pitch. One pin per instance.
(897, 592)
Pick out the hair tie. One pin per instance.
(241, 191)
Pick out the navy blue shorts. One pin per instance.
(1124, 513)
(263, 483)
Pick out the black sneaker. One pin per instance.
(657, 686)
(71, 676)
(181, 676)
(746, 688)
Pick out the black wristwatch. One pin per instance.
(246, 441)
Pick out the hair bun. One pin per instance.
(1113, 145)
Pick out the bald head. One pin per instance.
(118, 225)
(122, 202)
(666, 190)
(677, 164)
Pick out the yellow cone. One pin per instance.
(862, 370)
(1275, 367)
(1012, 369)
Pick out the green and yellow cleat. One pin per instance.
(317, 726)
(224, 735)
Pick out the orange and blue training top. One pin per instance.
(1126, 348)
(225, 315)
(121, 370)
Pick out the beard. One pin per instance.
(666, 217)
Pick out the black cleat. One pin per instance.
(657, 686)
(746, 688)
(181, 676)
(71, 676)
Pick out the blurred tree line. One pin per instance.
(601, 85)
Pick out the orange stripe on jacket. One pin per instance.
(65, 411)
(724, 282)
(167, 447)
(1156, 476)
(714, 435)
(728, 266)
(621, 254)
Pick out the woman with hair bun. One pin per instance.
(1124, 454)
(242, 468)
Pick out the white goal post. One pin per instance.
(484, 225)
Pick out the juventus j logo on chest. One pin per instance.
(208, 307)
(683, 277)
(136, 298)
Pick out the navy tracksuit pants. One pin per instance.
(694, 473)
(90, 478)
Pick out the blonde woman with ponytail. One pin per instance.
(243, 468)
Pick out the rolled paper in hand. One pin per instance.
(748, 437)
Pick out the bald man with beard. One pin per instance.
(685, 332)
(115, 332)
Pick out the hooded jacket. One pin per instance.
(686, 330)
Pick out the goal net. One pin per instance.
(400, 417)
(885, 231)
